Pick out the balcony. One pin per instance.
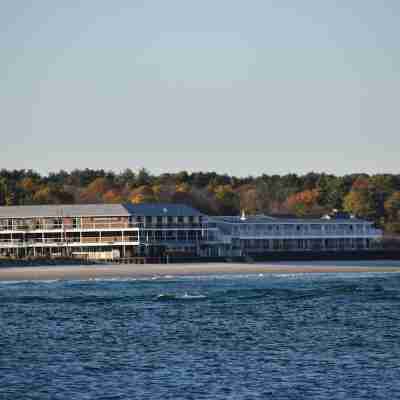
(70, 227)
(99, 226)
(174, 226)
(304, 234)
(48, 242)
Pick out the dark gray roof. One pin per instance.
(98, 210)
(249, 219)
(87, 210)
(160, 209)
(264, 219)
(148, 209)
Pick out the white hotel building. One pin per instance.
(263, 234)
(113, 231)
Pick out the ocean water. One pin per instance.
(266, 336)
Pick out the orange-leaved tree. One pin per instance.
(304, 203)
(112, 196)
(95, 191)
(142, 194)
(361, 202)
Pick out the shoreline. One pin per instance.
(83, 272)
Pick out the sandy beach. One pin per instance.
(151, 270)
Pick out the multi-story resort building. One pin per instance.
(263, 234)
(114, 231)
(103, 230)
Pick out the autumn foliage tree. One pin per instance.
(28, 187)
(3, 192)
(52, 194)
(163, 192)
(360, 202)
(143, 194)
(248, 199)
(112, 196)
(374, 197)
(227, 200)
(182, 194)
(366, 198)
(361, 183)
(392, 210)
(304, 203)
(95, 191)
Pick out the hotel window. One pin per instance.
(192, 235)
(180, 220)
(181, 235)
(159, 220)
(158, 235)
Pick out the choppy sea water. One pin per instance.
(271, 336)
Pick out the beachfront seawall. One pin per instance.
(261, 257)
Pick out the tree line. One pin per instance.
(375, 197)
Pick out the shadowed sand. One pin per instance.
(151, 270)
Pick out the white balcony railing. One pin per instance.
(300, 235)
(60, 242)
(99, 226)
(57, 227)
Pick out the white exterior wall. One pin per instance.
(299, 235)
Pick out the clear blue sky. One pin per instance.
(242, 87)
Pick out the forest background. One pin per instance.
(373, 197)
